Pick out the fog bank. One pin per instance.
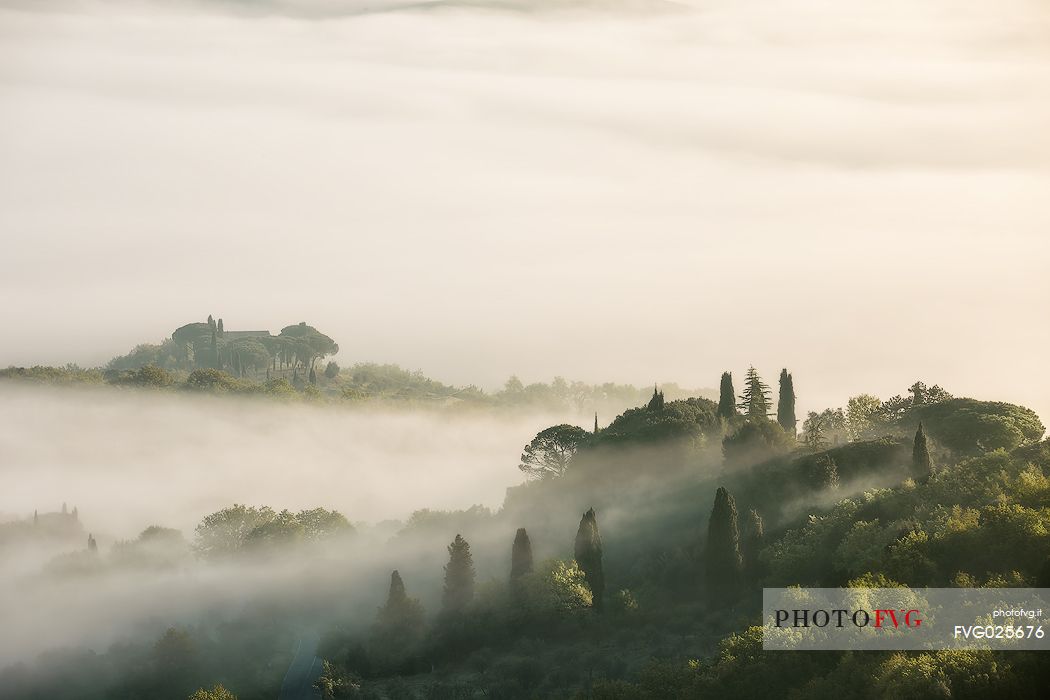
(855, 191)
(130, 459)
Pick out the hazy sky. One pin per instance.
(858, 191)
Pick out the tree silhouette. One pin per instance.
(657, 402)
(588, 550)
(520, 555)
(755, 399)
(786, 404)
(551, 451)
(399, 626)
(921, 462)
(723, 547)
(400, 613)
(459, 577)
(726, 397)
(813, 435)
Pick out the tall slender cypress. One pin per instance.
(399, 623)
(723, 547)
(588, 550)
(786, 405)
(459, 577)
(726, 397)
(520, 555)
(921, 462)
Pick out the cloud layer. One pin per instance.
(855, 191)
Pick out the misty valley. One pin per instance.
(210, 526)
(524, 349)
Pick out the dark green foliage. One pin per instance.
(722, 561)
(459, 577)
(588, 553)
(241, 529)
(145, 376)
(1042, 578)
(521, 555)
(786, 404)
(213, 381)
(397, 633)
(684, 420)
(772, 485)
(173, 652)
(921, 462)
(400, 613)
(313, 376)
(726, 397)
(551, 451)
(968, 426)
(755, 441)
(656, 403)
(331, 370)
(824, 473)
(755, 399)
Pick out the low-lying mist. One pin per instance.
(128, 460)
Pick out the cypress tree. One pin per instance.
(755, 399)
(753, 543)
(726, 397)
(588, 551)
(400, 611)
(921, 462)
(399, 623)
(36, 518)
(723, 547)
(459, 577)
(313, 376)
(786, 405)
(520, 555)
(219, 327)
(92, 544)
(595, 422)
(657, 402)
